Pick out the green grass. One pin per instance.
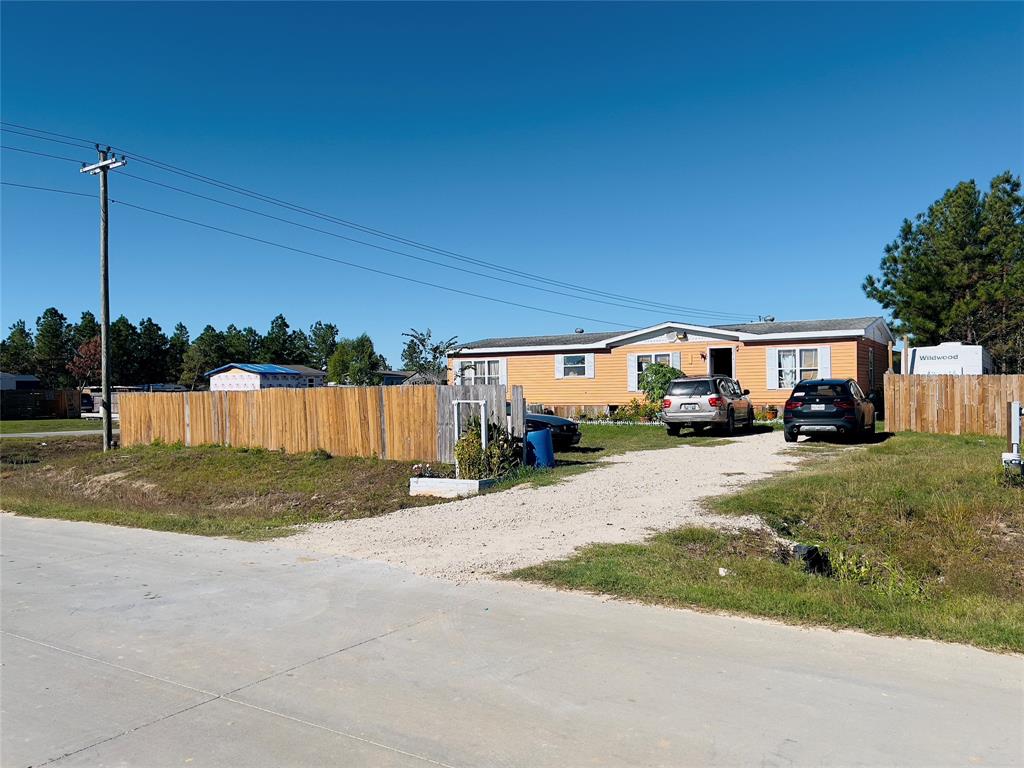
(600, 441)
(208, 490)
(47, 425)
(926, 539)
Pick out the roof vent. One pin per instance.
(579, 330)
(767, 318)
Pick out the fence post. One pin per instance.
(383, 424)
(188, 422)
(225, 407)
(518, 411)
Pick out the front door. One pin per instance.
(720, 361)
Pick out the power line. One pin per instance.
(361, 266)
(46, 189)
(51, 133)
(45, 138)
(380, 233)
(167, 167)
(40, 154)
(323, 257)
(503, 280)
(415, 244)
(376, 246)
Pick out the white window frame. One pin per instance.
(635, 365)
(587, 366)
(465, 372)
(641, 364)
(821, 370)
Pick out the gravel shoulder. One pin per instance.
(627, 499)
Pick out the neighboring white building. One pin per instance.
(235, 377)
(949, 357)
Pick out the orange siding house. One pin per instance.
(600, 370)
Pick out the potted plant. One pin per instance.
(476, 466)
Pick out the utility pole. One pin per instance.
(100, 169)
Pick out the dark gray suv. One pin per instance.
(706, 401)
(836, 406)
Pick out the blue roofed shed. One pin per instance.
(242, 377)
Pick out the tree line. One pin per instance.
(67, 354)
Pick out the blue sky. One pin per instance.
(748, 159)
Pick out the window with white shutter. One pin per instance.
(786, 367)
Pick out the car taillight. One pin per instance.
(792, 405)
(845, 405)
(666, 403)
(715, 402)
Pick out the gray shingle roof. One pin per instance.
(798, 326)
(542, 341)
(565, 339)
(305, 370)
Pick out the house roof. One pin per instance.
(542, 341)
(798, 326)
(20, 376)
(795, 329)
(305, 370)
(405, 374)
(256, 368)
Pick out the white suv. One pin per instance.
(706, 401)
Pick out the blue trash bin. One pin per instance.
(540, 451)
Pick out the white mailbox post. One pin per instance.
(1012, 459)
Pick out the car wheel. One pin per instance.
(673, 429)
(750, 419)
(790, 437)
(871, 427)
(730, 422)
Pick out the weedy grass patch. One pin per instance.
(923, 536)
(206, 490)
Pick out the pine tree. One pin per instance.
(323, 339)
(86, 329)
(152, 353)
(275, 345)
(18, 350)
(177, 345)
(204, 354)
(125, 359)
(53, 350)
(956, 272)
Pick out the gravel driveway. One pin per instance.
(628, 499)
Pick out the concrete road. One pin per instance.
(56, 433)
(134, 648)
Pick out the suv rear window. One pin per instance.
(690, 388)
(821, 390)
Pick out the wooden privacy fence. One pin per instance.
(40, 404)
(414, 423)
(952, 405)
